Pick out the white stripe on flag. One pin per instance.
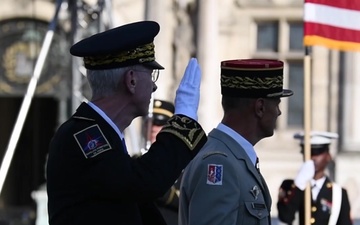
(333, 16)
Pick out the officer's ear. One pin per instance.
(259, 107)
(328, 157)
(130, 81)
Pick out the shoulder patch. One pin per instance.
(214, 153)
(92, 141)
(214, 174)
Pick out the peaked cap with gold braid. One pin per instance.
(162, 111)
(122, 46)
(253, 78)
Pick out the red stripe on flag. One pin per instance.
(335, 33)
(346, 4)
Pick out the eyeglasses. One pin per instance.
(154, 74)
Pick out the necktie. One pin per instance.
(257, 166)
(314, 191)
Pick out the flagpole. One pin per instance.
(25, 106)
(307, 127)
(320, 28)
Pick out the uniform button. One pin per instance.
(259, 214)
(313, 209)
(312, 220)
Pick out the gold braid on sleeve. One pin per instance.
(186, 129)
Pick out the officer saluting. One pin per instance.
(329, 202)
(91, 179)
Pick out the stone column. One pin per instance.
(351, 109)
(210, 110)
(347, 165)
(160, 11)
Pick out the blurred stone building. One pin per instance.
(212, 31)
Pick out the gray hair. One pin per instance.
(105, 82)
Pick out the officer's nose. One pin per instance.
(154, 87)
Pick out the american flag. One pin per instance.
(332, 23)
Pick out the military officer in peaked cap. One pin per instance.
(223, 183)
(162, 112)
(329, 202)
(91, 179)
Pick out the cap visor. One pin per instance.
(154, 65)
(287, 93)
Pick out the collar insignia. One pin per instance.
(255, 191)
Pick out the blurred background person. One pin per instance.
(329, 201)
(162, 111)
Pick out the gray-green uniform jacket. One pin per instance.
(221, 186)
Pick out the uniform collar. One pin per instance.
(319, 182)
(249, 148)
(107, 119)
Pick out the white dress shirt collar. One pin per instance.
(249, 148)
(103, 115)
(316, 186)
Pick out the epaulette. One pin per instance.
(214, 153)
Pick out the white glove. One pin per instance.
(188, 93)
(305, 174)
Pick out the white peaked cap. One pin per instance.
(317, 137)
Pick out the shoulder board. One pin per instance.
(214, 153)
(83, 118)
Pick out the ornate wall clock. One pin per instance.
(20, 44)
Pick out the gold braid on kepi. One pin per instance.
(253, 78)
(249, 83)
(127, 45)
(186, 129)
(141, 54)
